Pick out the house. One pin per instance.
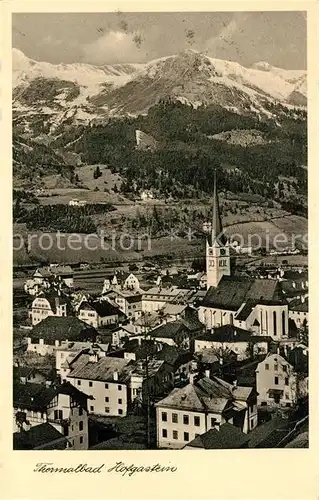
(152, 378)
(299, 311)
(40, 437)
(179, 359)
(105, 379)
(172, 333)
(180, 332)
(226, 437)
(231, 338)
(278, 384)
(48, 304)
(62, 406)
(251, 304)
(67, 351)
(122, 281)
(46, 336)
(24, 374)
(129, 302)
(98, 313)
(157, 297)
(53, 271)
(201, 405)
(120, 334)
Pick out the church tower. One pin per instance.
(217, 247)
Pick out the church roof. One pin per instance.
(232, 291)
(217, 228)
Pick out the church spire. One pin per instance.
(217, 228)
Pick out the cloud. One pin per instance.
(115, 47)
(50, 40)
(225, 37)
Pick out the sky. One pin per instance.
(278, 38)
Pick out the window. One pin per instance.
(288, 404)
(120, 412)
(119, 387)
(80, 412)
(185, 419)
(81, 426)
(286, 381)
(91, 408)
(106, 386)
(58, 415)
(276, 380)
(164, 416)
(284, 368)
(107, 409)
(213, 422)
(197, 421)
(106, 400)
(186, 436)
(275, 322)
(276, 368)
(79, 382)
(283, 319)
(174, 418)
(120, 401)
(90, 384)
(164, 433)
(266, 366)
(175, 435)
(81, 439)
(263, 403)
(287, 395)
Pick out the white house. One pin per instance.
(201, 405)
(49, 304)
(98, 313)
(277, 382)
(62, 406)
(105, 379)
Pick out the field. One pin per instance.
(279, 233)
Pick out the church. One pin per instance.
(257, 305)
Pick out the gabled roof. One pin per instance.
(206, 394)
(54, 298)
(43, 436)
(227, 437)
(103, 308)
(169, 329)
(233, 291)
(233, 334)
(54, 270)
(63, 328)
(173, 355)
(299, 305)
(38, 396)
(101, 370)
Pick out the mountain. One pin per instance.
(48, 96)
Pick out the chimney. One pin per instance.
(302, 298)
(115, 376)
(207, 373)
(56, 343)
(192, 377)
(294, 284)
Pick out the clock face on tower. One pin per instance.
(222, 251)
(210, 251)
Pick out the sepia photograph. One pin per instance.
(160, 230)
